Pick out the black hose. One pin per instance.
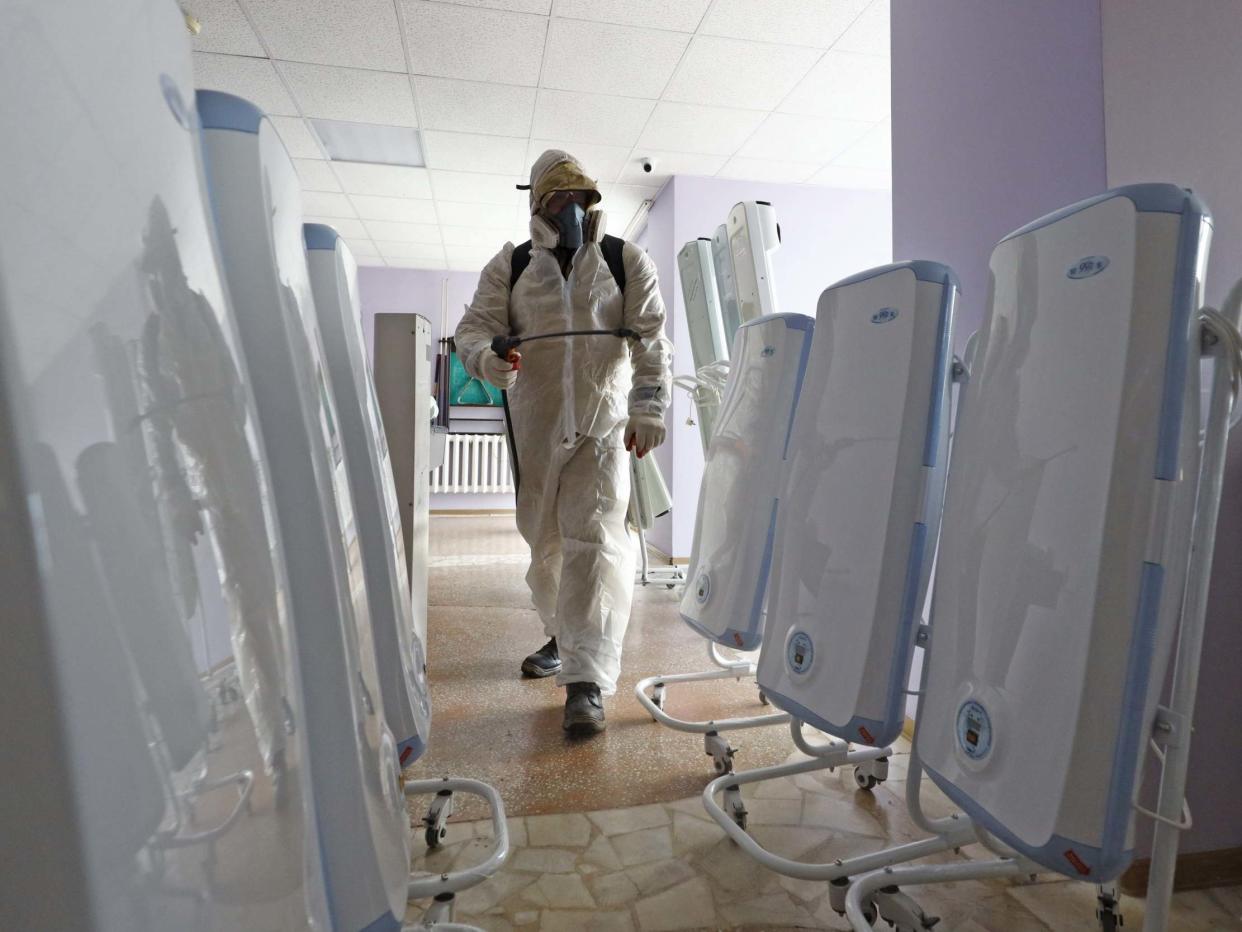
(513, 458)
(502, 346)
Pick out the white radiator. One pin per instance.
(473, 463)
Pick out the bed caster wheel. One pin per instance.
(837, 890)
(657, 696)
(718, 750)
(735, 806)
(870, 774)
(436, 819)
(1107, 912)
(763, 698)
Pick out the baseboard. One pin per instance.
(469, 512)
(662, 557)
(1196, 870)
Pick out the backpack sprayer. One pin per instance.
(503, 346)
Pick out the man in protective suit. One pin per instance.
(577, 404)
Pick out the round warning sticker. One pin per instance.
(974, 730)
(800, 652)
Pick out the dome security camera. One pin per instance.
(648, 165)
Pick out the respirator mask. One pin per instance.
(570, 222)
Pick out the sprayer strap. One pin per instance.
(610, 246)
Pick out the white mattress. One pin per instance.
(1066, 529)
(731, 553)
(860, 502)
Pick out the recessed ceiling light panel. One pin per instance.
(368, 142)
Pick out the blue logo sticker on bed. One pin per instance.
(974, 730)
(800, 652)
(884, 315)
(768, 351)
(1087, 267)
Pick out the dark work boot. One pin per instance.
(543, 662)
(584, 710)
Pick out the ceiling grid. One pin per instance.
(766, 90)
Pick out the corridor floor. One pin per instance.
(611, 834)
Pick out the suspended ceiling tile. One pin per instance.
(390, 231)
(605, 59)
(789, 138)
(327, 204)
(677, 15)
(817, 23)
(474, 106)
(362, 247)
(452, 41)
(382, 180)
(356, 34)
(841, 176)
(696, 128)
(733, 72)
(874, 150)
(870, 33)
(399, 209)
(846, 86)
(343, 225)
(299, 141)
(224, 28)
(423, 251)
(479, 238)
(591, 118)
(494, 217)
(476, 188)
(254, 79)
(351, 94)
(768, 170)
(667, 164)
(471, 152)
(541, 7)
(316, 175)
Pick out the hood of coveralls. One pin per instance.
(557, 170)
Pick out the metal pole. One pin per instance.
(1190, 639)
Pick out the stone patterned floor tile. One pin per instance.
(691, 807)
(601, 854)
(769, 909)
(612, 890)
(566, 891)
(571, 830)
(774, 811)
(579, 921)
(478, 900)
(659, 875)
(691, 834)
(516, 827)
(544, 860)
(687, 906)
(652, 844)
(840, 815)
(624, 821)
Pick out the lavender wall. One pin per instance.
(997, 119)
(827, 234)
(441, 297)
(1170, 120)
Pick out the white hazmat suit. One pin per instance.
(570, 408)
